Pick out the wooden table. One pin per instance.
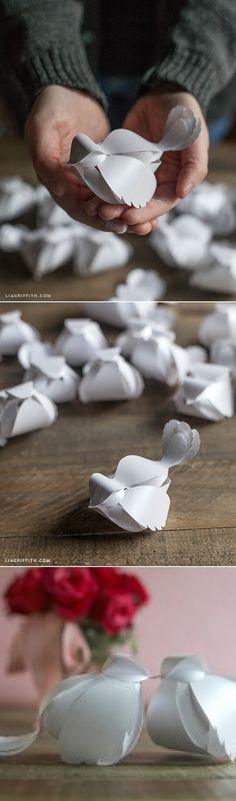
(63, 285)
(45, 474)
(147, 774)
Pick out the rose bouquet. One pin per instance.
(73, 618)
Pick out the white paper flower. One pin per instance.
(182, 241)
(122, 167)
(215, 277)
(96, 718)
(80, 341)
(96, 251)
(142, 285)
(135, 495)
(219, 324)
(206, 392)
(53, 377)
(157, 356)
(212, 203)
(30, 350)
(14, 332)
(223, 351)
(16, 197)
(110, 378)
(23, 409)
(127, 341)
(193, 710)
(119, 313)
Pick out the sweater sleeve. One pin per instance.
(41, 44)
(200, 56)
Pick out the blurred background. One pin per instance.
(189, 611)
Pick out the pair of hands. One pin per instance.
(59, 113)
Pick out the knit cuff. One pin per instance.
(187, 69)
(67, 67)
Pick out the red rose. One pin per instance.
(113, 612)
(72, 590)
(26, 593)
(115, 580)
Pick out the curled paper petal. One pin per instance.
(219, 324)
(182, 241)
(135, 495)
(212, 203)
(96, 251)
(30, 350)
(206, 392)
(16, 197)
(109, 378)
(120, 169)
(193, 709)
(127, 341)
(97, 718)
(14, 332)
(52, 376)
(142, 285)
(23, 409)
(80, 341)
(157, 356)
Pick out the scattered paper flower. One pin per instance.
(16, 197)
(53, 377)
(157, 355)
(30, 350)
(206, 392)
(110, 378)
(23, 409)
(141, 285)
(135, 495)
(223, 351)
(96, 251)
(193, 709)
(121, 168)
(14, 332)
(119, 313)
(80, 341)
(181, 241)
(212, 203)
(219, 324)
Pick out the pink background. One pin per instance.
(192, 611)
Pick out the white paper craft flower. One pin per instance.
(96, 717)
(156, 354)
(206, 392)
(212, 203)
(121, 168)
(80, 341)
(53, 377)
(223, 351)
(23, 409)
(219, 324)
(96, 251)
(141, 285)
(117, 312)
(16, 197)
(110, 378)
(135, 495)
(182, 241)
(31, 349)
(218, 273)
(193, 710)
(14, 332)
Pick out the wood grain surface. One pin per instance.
(15, 279)
(45, 474)
(147, 774)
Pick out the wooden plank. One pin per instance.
(44, 475)
(15, 280)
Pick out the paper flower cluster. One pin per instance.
(109, 377)
(57, 238)
(97, 717)
(135, 496)
(184, 238)
(121, 168)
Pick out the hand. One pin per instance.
(180, 170)
(57, 115)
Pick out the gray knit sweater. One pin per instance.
(41, 44)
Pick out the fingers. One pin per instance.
(194, 166)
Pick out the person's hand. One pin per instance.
(57, 114)
(180, 170)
